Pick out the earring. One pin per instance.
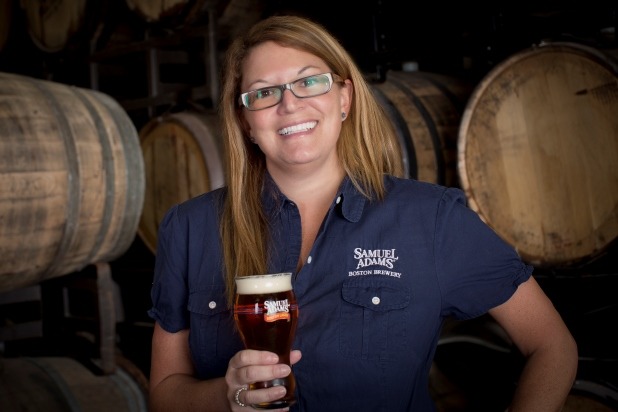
(343, 115)
(252, 139)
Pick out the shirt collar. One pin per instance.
(349, 201)
(352, 202)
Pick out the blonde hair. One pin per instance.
(367, 145)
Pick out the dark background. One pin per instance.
(110, 50)
(155, 67)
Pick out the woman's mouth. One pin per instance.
(302, 127)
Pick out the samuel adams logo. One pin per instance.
(375, 257)
(276, 310)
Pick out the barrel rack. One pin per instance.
(75, 315)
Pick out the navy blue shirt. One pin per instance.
(381, 278)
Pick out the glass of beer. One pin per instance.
(266, 313)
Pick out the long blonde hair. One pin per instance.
(366, 146)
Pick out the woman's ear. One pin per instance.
(347, 90)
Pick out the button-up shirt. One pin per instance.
(380, 279)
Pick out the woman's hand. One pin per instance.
(249, 366)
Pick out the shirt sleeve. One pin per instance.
(169, 291)
(477, 270)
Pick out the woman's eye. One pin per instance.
(263, 94)
(310, 81)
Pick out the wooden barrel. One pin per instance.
(588, 396)
(538, 152)
(174, 13)
(71, 180)
(54, 25)
(426, 110)
(55, 384)
(183, 158)
(459, 388)
(477, 366)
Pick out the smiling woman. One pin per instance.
(312, 188)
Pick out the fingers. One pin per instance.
(295, 356)
(254, 397)
(253, 357)
(250, 366)
(254, 373)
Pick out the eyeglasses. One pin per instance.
(309, 86)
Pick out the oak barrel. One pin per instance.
(55, 384)
(71, 179)
(425, 109)
(183, 158)
(55, 25)
(174, 13)
(538, 152)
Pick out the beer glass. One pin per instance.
(266, 313)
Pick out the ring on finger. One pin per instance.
(237, 395)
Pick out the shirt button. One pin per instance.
(212, 304)
(338, 199)
(309, 259)
(375, 300)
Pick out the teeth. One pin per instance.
(297, 128)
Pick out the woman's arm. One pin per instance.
(172, 382)
(537, 329)
(173, 386)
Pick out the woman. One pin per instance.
(379, 261)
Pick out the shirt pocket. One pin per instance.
(213, 338)
(374, 320)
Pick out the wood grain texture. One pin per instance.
(183, 158)
(71, 179)
(538, 152)
(425, 109)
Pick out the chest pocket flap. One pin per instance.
(208, 302)
(376, 292)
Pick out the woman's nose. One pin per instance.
(289, 100)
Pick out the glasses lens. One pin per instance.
(312, 85)
(262, 98)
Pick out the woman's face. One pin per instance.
(297, 134)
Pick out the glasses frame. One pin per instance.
(332, 77)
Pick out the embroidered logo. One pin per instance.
(373, 257)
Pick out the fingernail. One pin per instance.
(281, 369)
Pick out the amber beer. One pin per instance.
(266, 313)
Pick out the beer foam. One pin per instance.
(250, 285)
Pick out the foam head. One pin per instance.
(260, 284)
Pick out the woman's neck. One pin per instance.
(310, 188)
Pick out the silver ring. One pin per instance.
(237, 395)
